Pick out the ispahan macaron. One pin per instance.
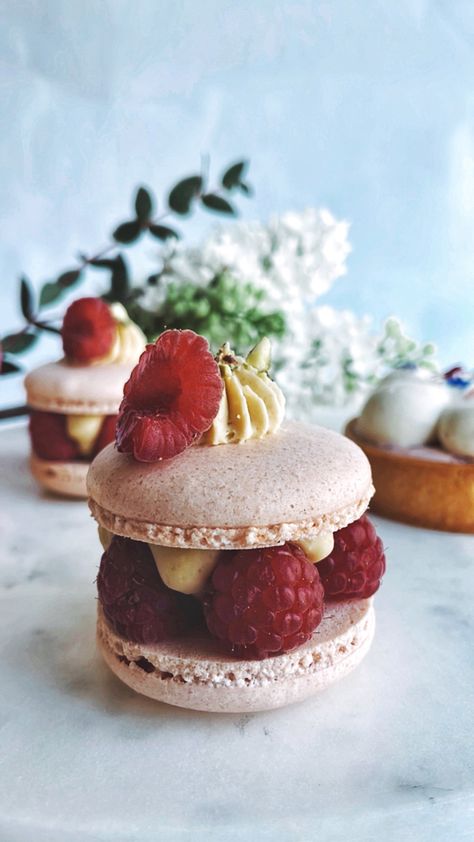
(74, 402)
(238, 567)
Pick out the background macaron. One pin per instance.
(67, 389)
(76, 389)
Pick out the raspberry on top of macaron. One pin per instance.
(171, 398)
(178, 392)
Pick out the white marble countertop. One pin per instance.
(387, 754)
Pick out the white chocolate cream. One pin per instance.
(404, 409)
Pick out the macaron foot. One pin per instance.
(67, 479)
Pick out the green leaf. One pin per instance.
(69, 278)
(7, 367)
(119, 281)
(128, 232)
(50, 292)
(143, 204)
(217, 203)
(16, 343)
(162, 232)
(102, 263)
(246, 188)
(233, 175)
(183, 193)
(26, 299)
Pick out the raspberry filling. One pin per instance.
(264, 602)
(354, 568)
(51, 440)
(257, 603)
(134, 599)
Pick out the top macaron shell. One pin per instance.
(77, 389)
(294, 484)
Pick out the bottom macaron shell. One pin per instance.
(65, 478)
(193, 672)
(424, 492)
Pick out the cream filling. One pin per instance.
(318, 548)
(130, 340)
(252, 404)
(105, 537)
(84, 429)
(187, 571)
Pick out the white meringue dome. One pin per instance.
(410, 373)
(456, 428)
(404, 409)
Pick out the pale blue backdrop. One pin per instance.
(366, 106)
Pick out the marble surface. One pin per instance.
(386, 754)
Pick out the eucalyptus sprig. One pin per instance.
(181, 200)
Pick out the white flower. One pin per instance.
(296, 257)
(327, 355)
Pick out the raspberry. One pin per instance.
(357, 563)
(134, 599)
(49, 437)
(106, 434)
(264, 602)
(89, 330)
(171, 398)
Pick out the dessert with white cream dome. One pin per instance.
(417, 429)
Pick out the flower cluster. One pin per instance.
(294, 259)
(325, 356)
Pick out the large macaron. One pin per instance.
(293, 485)
(57, 392)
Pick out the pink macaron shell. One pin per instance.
(77, 389)
(194, 673)
(293, 484)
